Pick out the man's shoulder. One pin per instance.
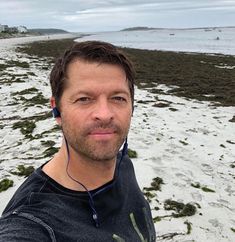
(33, 183)
(19, 228)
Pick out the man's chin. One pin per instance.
(100, 150)
(103, 156)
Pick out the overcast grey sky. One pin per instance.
(92, 15)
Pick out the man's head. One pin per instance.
(93, 52)
(93, 86)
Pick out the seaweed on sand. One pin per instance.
(26, 127)
(182, 209)
(132, 153)
(16, 63)
(23, 170)
(196, 75)
(5, 184)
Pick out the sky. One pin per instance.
(109, 15)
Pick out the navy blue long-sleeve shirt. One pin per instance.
(43, 210)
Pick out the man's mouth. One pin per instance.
(102, 133)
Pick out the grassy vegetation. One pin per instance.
(206, 189)
(48, 143)
(189, 227)
(203, 188)
(3, 67)
(5, 184)
(26, 127)
(48, 48)
(49, 152)
(132, 153)
(195, 74)
(232, 165)
(180, 208)
(150, 192)
(13, 63)
(183, 142)
(155, 185)
(232, 119)
(9, 78)
(31, 90)
(23, 170)
(156, 219)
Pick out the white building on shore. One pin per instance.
(19, 29)
(22, 29)
(3, 28)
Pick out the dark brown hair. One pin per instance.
(91, 51)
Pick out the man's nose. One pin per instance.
(103, 111)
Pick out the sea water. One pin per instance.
(203, 40)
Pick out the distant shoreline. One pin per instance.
(18, 41)
(196, 28)
(16, 36)
(10, 36)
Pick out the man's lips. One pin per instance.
(105, 133)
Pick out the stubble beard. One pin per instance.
(95, 150)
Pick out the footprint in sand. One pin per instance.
(207, 169)
(230, 191)
(215, 223)
(196, 196)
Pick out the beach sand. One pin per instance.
(182, 131)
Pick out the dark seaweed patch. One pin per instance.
(5, 184)
(26, 127)
(132, 153)
(23, 170)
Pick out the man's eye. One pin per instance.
(119, 99)
(83, 99)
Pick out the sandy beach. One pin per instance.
(182, 131)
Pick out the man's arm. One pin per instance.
(19, 229)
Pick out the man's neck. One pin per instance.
(92, 174)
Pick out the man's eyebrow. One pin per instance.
(80, 92)
(87, 93)
(121, 92)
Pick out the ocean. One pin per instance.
(203, 40)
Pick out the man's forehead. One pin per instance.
(82, 73)
(81, 61)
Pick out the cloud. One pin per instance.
(92, 15)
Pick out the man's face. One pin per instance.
(95, 109)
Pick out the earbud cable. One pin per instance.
(91, 201)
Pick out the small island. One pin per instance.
(48, 31)
(137, 28)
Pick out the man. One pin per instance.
(88, 191)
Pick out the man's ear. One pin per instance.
(52, 102)
(55, 111)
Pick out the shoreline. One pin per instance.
(18, 35)
(6, 43)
